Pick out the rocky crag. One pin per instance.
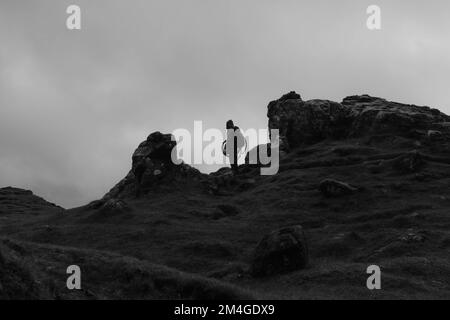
(364, 181)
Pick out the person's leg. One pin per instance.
(234, 166)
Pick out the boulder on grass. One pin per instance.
(281, 251)
(335, 188)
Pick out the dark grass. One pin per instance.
(212, 237)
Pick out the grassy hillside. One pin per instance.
(397, 219)
(32, 271)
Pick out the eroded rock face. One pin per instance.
(371, 115)
(158, 146)
(152, 167)
(307, 122)
(152, 158)
(281, 251)
(301, 122)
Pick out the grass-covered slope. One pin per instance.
(33, 271)
(397, 217)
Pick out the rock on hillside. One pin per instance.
(307, 122)
(280, 251)
(371, 115)
(152, 168)
(300, 123)
(366, 179)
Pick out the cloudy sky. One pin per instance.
(75, 104)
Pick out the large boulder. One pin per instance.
(158, 146)
(152, 167)
(280, 251)
(153, 159)
(372, 115)
(303, 123)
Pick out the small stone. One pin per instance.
(434, 133)
(115, 205)
(335, 188)
(412, 236)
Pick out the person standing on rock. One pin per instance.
(233, 145)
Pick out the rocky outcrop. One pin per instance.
(307, 122)
(335, 188)
(152, 167)
(157, 148)
(371, 115)
(281, 251)
(300, 123)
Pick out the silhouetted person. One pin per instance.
(234, 143)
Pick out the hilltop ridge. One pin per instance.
(364, 181)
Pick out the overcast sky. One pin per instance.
(75, 104)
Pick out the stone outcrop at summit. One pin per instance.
(365, 182)
(371, 115)
(300, 123)
(152, 166)
(307, 122)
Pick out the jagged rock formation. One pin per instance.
(300, 123)
(371, 115)
(303, 123)
(385, 167)
(152, 167)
